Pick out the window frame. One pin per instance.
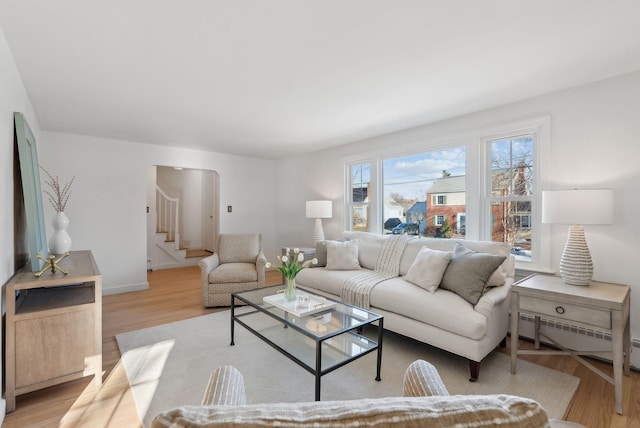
(371, 195)
(540, 129)
(478, 199)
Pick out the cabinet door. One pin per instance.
(51, 346)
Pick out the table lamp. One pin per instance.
(577, 207)
(319, 210)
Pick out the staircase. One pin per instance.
(169, 252)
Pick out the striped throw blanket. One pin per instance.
(356, 290)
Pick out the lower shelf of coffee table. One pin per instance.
(302, 346)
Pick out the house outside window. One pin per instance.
(447, 201)
(512, 189)
(407, 183)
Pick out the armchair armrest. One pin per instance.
(421, 379)
(225, 388)
(207, 265)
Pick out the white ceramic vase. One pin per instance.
(60, 241)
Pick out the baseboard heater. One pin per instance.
(573, 336)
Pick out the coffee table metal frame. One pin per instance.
(348, 321)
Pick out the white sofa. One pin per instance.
(426, 403)
(442, 318)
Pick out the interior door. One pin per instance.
(209, 219)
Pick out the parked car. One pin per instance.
(391, 223)
(518, 251)
(406, 229)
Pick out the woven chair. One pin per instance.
(237, 265)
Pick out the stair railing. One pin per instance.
(168, 216)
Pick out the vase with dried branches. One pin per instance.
(58, 195)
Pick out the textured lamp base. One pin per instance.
(576, 267)
(318, 232)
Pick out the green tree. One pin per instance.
(445, 230)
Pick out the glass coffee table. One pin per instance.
(321, 335)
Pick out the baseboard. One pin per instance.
(128, 288)
(575, 337)
(3, 410)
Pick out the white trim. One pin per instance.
(540, 127)
(127, 288)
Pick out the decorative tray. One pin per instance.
(300, 307)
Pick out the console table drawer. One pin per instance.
(566, 311)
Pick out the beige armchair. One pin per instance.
(237, 265)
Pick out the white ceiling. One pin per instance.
(270, 78)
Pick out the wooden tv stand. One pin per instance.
(53, 326)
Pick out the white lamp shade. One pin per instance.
(319, 209)
(577, 206)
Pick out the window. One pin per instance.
(511, 172)
(360, 174)
(524, 221)
(499, 201)
(439, 200)
(415, 185)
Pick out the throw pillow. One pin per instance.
(342, 255)
(468, 272)
(428, 267)
(321, 252)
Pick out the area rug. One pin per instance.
(169, 365)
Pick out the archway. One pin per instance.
(182, 215)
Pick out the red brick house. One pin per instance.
(446, 200)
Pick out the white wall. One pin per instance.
(107, 209)
(595, 142)
(13, 97)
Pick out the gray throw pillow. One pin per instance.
(321, 254)
(468, 272)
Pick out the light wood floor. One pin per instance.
(174, 294)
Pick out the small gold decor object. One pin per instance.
(51, 262)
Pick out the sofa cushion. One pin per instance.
(457, 410)
(442, 309)
(370, 247)
(469, 271)
(342, 255)
(234, 272)
(428, 267)
(327, 281)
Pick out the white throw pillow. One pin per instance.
(342, 255)
(427, 269)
